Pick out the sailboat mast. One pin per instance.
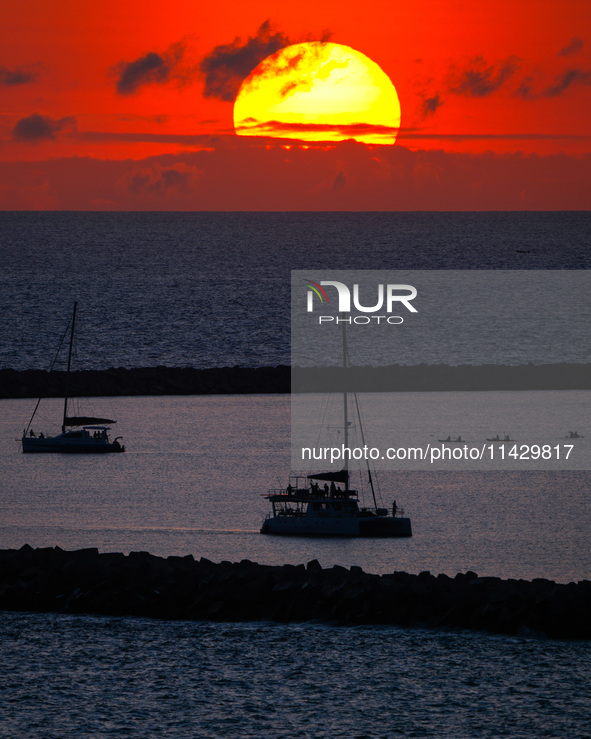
(69, 364)
(345, 404)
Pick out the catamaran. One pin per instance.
(80, 434)
(307, 508)
(325, 504)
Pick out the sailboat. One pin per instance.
(80, 434)
(310, 506)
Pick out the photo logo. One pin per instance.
(315, 288)
(394, 294)
(388, 297)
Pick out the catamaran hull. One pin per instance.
(293, 526)
(385, 527)
(54, 445)
(379, 527)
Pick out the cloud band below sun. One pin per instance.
(318, 131)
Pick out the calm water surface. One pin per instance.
(212, 289)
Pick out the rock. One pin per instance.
(145, 381)
(141, 584)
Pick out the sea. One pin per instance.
(213, 290)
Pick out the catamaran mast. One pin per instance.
(345, 408)
(69, 363)
(346, 415)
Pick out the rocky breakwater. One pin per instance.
(144, 381)
(140, 584)
(281, 379)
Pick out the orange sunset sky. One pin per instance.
(128, 105)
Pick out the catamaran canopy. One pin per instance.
(342, 476)
(86, 420)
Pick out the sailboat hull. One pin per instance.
(63, 444)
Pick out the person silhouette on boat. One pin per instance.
(448, 438)
(507, 437)
(31, 433)
(459, 438)
(290, 488)
(326, 488)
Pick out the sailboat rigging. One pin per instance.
(91, 436)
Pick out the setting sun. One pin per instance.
(318, 91)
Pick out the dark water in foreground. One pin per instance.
(83, 676)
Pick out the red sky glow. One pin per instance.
(129, 106)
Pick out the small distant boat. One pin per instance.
(309, 506)
(574, 435)
(449, 440)
(80, 434)
(502, 439)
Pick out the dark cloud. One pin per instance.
(560, 85)
(411, 133)
(228, 65)
(565, 80)
(205, 142)
(160, 182)
(152, 68)
(574, 47)
(526, 89)
(431, 104)
(480, 79)
(18, 76)
(339, 182)
(155, 182)
(37, 127)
